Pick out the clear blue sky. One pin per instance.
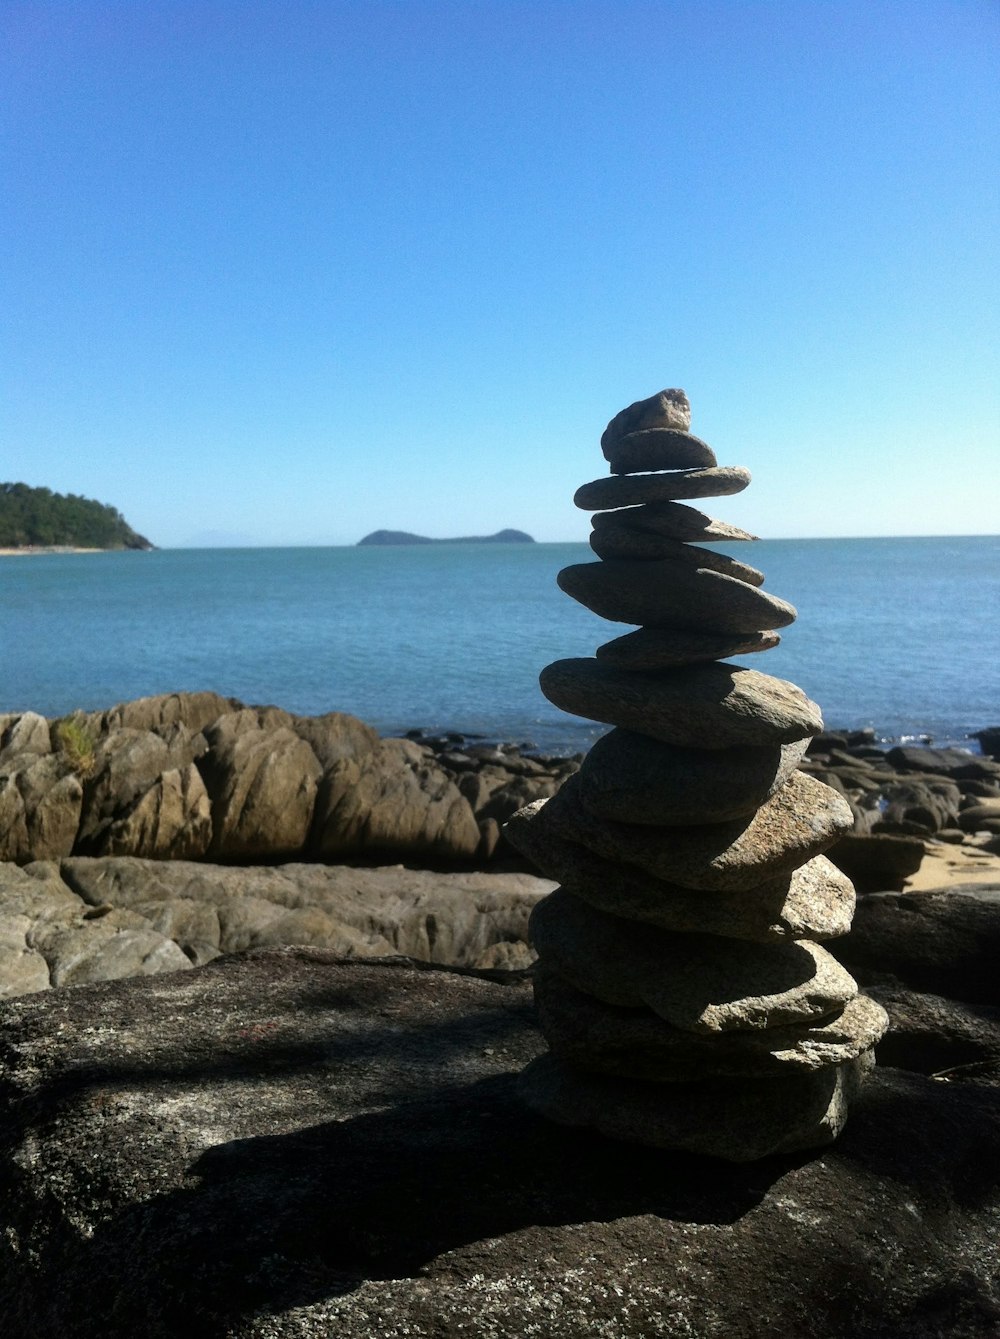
(289, 272)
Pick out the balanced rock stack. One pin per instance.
(680, 985)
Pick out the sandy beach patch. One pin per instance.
(945, 866)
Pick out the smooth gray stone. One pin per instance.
(584, 1032)
(673, 593)
(622, 542)
(667, 648)
(631, 778)
(626, 490)
(659, 449)
(672, 519)
(695, 982)
(666, 409)
(695, 706)
(799, 821)
(740, 1120)
(815, 902)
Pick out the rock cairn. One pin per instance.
(681, 987)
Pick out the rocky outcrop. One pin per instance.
(82, 920)
(285, 1145)
(198, 776)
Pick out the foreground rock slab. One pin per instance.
(287, 1145)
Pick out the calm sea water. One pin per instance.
(899, 634)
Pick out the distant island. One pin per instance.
(37, 518)
(385, 537)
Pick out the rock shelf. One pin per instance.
(681, 986)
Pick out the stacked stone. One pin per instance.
(681, 985)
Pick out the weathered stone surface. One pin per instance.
(798, 822)
(158, 714)
(282, 1146)
(815, 902)
(713, 706)
(50, 937)
(696, 982)
(666, 409)
(462, 920)
(631, 778)
(335, 736)
(628, 490)
(946, 943)
(658, 449)
(172, 820)
(40, 806)
(673, 593)
(584, 1032)
(739, 1120)
(261, 779)
(673, 519)
(24, 732)
(625, 543)
(393, 799)
(668, 648)
(128, 762)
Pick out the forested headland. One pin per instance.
(39, 518)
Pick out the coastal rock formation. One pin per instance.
(189, 776)
(80, 920)
(286, 1145)
(681, 986)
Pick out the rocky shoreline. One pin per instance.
(258, 965)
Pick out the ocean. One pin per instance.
(902, 635)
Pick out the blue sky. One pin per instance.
(289, 272)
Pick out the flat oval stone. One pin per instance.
(672, 519)
(584, 1032)
(815, 902)
(711, 706)
(625, 490)
(666, 409)
(673, 593)
(631, 778)
(695, 982)
(740, 1120)
(621, 542)
(665, 648)
(799, 821)
(658, 449)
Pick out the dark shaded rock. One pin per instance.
(673, 519)
(944, 943)
(669, 409)
(626, 490)
(658, 449)
(713, 706)
(674, 594)
(631, 778)
(875, 862)
(944, 762)
(613, 542)
(930, 1034)
(667, 648)
(989, 741)
(282, 1147)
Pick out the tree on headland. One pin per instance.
(37, 517)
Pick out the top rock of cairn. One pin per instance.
(681, 986)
